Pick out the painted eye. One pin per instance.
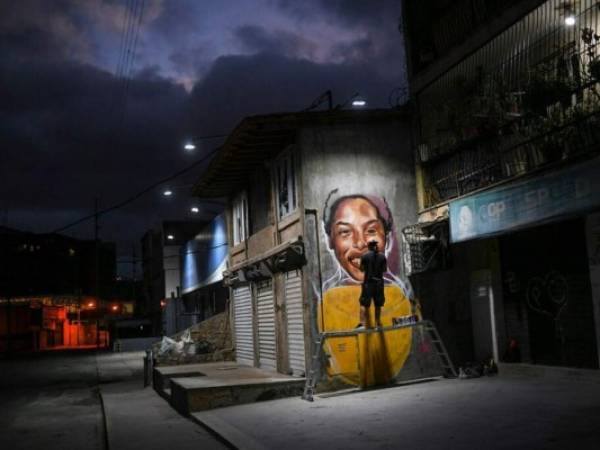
(344, 232)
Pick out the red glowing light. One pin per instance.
(163, 303)
(91, 304)
(115, 307)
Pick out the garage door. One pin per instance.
(295, 321)
(266, 326)
(242, 320)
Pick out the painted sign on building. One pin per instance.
(571, 191)
(204, 258)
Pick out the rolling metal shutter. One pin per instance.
(295, 321)
(267, 349)
(244, 333)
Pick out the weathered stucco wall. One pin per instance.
(360, 180)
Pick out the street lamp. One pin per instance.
(570, 20)
(189, 146)
(170, 191)
(170, 237)
(195, 209)
(357, 101)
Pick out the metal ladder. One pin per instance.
(440, 349)
(313, 373)
(315, 367)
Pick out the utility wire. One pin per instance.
(122, 44)
(147, 189)
(131, 54)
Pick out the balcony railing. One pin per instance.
(538, 108)
(493, 161)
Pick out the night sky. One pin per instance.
(80, 117)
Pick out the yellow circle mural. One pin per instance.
(367, 359)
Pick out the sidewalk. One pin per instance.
(488, 413)
(136, 417)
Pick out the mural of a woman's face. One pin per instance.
(354, 224)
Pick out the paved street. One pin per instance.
(52, 402)
(491, 413)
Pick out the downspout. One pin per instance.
(315, 213)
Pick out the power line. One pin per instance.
(122, 43)
(147, 189)
(131, 52)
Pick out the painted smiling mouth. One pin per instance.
(355, 262)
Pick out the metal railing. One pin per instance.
(409, 322)
(497, 160)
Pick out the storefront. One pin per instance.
(537, 292)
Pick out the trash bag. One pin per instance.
(186, 337)
(166, 346)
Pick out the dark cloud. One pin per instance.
(346, 12)
(258, 39)
(355, 51)
(238, 86)
(67, 135)
(375, 23)
(70, 130)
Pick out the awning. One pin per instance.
(281, 258)
(567, 192)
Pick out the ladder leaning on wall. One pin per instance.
(428, 326)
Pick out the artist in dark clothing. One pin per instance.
(374, 265)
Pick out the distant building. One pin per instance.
(53, 290)
(161, 266)
(52, 264)
(203, 261)
(505, 254)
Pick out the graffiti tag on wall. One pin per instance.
(548, 294)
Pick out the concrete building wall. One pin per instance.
(593, 254)
(171, 267)
(362, 175)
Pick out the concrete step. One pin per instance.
(199, 387)
(161, 376)
(199, 394)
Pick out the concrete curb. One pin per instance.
(106, 433)
(229, 435)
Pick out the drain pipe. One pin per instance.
(315, 213)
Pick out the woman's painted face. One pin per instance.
(354, 225)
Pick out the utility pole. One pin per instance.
(8, 336)
(96, 269)
(133, 274)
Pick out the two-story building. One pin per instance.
(306, 192)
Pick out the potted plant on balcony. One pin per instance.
(543, 91)
(591, 40)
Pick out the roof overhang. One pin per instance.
(257, 139)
